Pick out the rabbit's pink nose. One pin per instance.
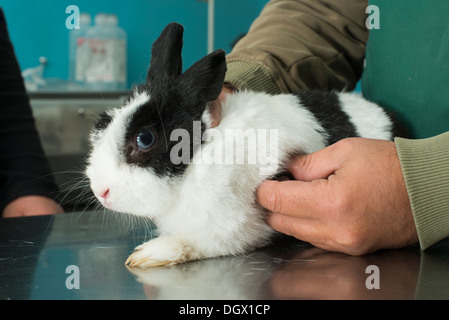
(104, 194)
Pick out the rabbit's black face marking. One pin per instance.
(175, 101)
(103, 122)
(145, 138)
(151, 123)
(100, 126)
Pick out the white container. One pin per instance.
(102, 65)
(77, 38)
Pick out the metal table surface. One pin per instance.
(81, 256)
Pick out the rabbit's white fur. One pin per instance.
(369, 120)
(128, 185)
(207, 208)
(210, 210)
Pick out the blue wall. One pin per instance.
(37, 28)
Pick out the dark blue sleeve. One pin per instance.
(24, 168)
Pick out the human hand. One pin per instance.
(349, 197)
(215, 106)
(31, 206)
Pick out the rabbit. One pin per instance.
(158, 156)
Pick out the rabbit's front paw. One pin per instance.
(159, 252)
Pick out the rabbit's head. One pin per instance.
(130, 166)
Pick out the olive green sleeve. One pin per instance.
(298, 44)
(425, 165)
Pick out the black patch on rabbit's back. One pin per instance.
(326, 108)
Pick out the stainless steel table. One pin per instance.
(82, 255)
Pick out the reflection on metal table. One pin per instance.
(82, 255)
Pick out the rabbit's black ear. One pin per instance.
(166, 59)
(204, 80)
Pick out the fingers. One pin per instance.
(314, 166)
(291, 226)
(297, 207)
(294, 198)
(278, 196)
(305, 196)
(309, 230)
(215, 113)
(215, 106)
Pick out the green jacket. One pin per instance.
(404, 66)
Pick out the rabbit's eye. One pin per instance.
(145, 138)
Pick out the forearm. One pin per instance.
(426, 172)
(295, 45)
(24, 169)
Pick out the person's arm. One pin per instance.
(24, 169)
(307, 44)
(299, 44)
(425, 165)
(349, 197)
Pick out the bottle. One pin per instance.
(77, 41)
(105, 66)
(120, 58)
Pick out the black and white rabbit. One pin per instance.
(142, 164)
